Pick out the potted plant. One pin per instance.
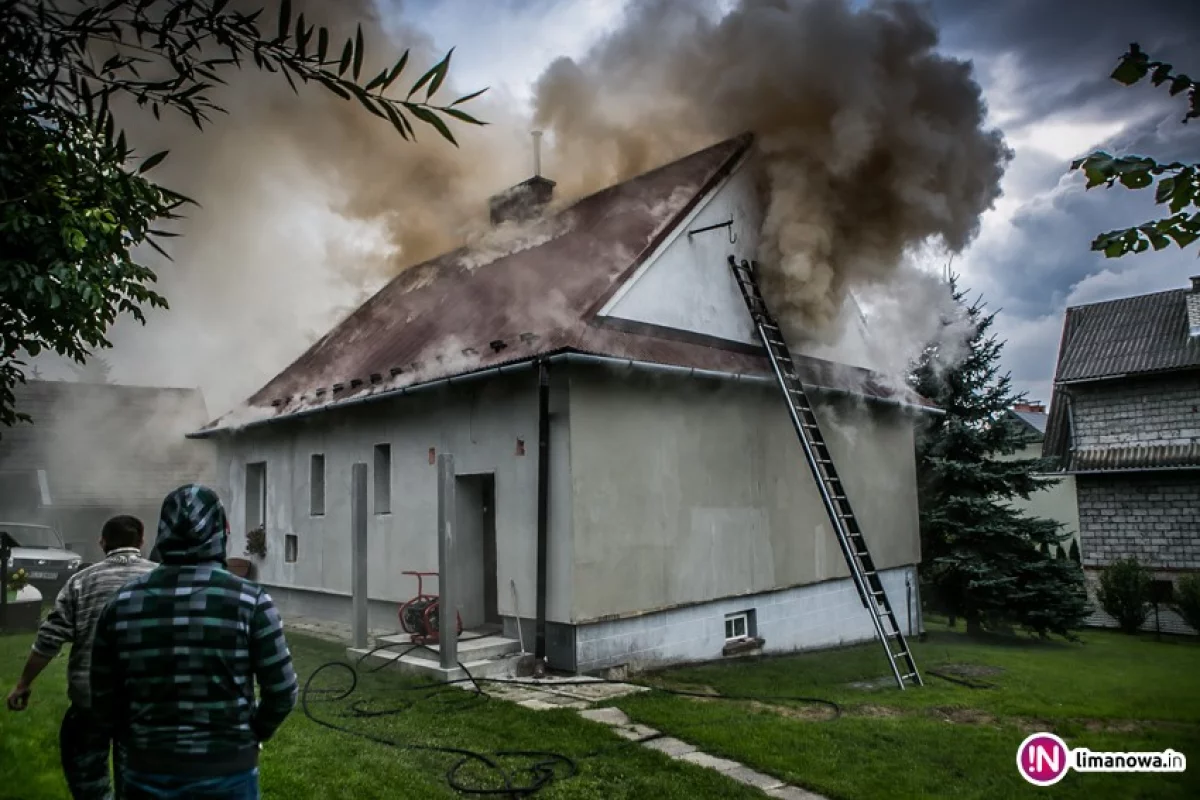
(256, 541)
(23, 606)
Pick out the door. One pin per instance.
(475, 550)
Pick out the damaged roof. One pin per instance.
(470, 310)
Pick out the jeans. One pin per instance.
(84, 756)
(147, 786)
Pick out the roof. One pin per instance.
(105, 444)
(1034, 419)
(520, 295)
(1159, 456)
(1126, 337)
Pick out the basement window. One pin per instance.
(383, 479)
(256, 495)
(316, 483)
(739, 626)
(290, 545)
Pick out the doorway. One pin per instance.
(475, 513)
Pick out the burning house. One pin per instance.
(679, 520)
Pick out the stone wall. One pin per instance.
(1154, 516)
(1161, 410)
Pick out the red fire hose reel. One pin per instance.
(420, 616)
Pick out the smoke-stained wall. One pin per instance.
(687, 490)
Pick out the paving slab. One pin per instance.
(635, 732)
(711, 762)
(792, 793)
(675, 748)
(607, 716)
(756, 779)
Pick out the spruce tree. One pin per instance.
(982, 559)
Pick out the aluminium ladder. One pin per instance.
(833, 493)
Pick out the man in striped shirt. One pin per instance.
(177, 654)
(84, 749)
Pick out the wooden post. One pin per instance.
(358, 551)
(447, 585)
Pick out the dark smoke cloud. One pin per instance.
(870, 142)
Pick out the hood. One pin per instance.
(192, 528)
(47, 554)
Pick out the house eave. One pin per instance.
(574, 357)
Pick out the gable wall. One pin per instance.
(687, 491)
(1152, 410)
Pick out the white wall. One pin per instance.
(478, 423)
(688, 490)
(804, 617)
(1058, 502)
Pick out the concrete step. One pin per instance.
(503, 666)
(471, 647)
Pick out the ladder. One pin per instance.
(833, 493)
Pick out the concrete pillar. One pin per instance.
(358, 551)
(447, 589)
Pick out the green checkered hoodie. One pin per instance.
(178, 651)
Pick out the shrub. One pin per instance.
(256, 542)
(1187, 600)
(1125, 593)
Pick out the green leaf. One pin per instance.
(377, 80)
(303, 36)
(1178, 84)
(1160, 74)
(347, 54)
(424, 79)
(358, 51)
(427, 116)
(396, 70)
(440, 75)
(322, 44)
(1129, 71)
(473, 95)
(462, 115)
(152, 162)
(285, 19)
(1136, 180)
(1164, 190)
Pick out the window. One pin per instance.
(736, 626)
(290, 545)
(316, 484)
(739, 626)
(383, 479)
(256, 495)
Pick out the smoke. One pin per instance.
(308, 205)
(870, 143)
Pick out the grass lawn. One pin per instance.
(305, 760)
(1111, 693)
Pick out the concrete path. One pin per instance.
(681, 750)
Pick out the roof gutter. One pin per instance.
(1128, 470)
(570, 357)
(1152, 373)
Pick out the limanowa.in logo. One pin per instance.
(1043, 759)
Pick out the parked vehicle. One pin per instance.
(39, 550)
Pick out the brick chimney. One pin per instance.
(526, 200)
(1030, 408)
(1193, 307)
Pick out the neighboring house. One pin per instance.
(1056, 502)
(1125, 422)
(680, 514)
(96, 450)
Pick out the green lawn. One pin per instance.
(1111, 692)
(306, 760)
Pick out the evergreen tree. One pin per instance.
(984, 560)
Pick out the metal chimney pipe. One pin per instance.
(537, 154)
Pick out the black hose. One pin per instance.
(546, 767)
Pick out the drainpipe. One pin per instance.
(543, 496)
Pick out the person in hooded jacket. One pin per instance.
(175, 659)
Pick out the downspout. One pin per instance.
(543, 506)
(1070, 428)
